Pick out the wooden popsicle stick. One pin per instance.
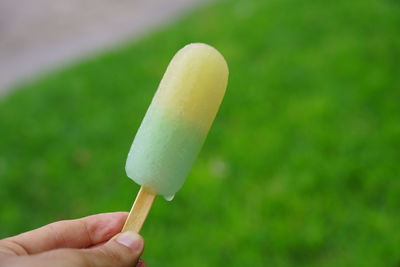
(140, 209)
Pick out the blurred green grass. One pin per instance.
(301, 166)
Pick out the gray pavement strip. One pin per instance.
(38, 36)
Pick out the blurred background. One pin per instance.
(301, 167)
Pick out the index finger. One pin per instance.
(79, 233)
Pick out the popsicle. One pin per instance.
(175, 126)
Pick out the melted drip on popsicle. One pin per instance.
(169, 198)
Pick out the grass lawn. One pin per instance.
(300, 168)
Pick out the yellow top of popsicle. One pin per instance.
(211, 72)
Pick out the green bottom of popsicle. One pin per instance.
(163, 153)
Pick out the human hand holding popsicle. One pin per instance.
(81, 242)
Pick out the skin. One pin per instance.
(81, 242)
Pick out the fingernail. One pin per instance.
(131, 240)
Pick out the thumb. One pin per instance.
(124, 250)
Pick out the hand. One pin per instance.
(81, 242)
